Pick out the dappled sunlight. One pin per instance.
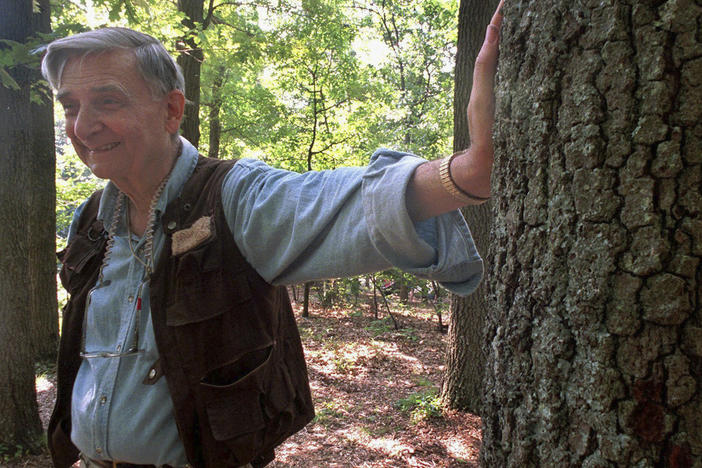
(458, 448)
(373, 347)
(373, 387)
(43, 384)
(388, 445)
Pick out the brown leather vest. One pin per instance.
(228, 342)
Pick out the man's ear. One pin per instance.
(175, 100)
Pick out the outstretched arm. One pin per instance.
(470, 170)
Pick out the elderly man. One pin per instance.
(179, 346)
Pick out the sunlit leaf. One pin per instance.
(7, 81)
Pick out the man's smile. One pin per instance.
(102, 148)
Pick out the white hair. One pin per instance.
(158, 68)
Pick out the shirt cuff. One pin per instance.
(440, 249)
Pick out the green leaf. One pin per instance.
(115, 12)
(40, 93)
(7, 81)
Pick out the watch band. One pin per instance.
(450, 185)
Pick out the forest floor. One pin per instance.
(375, 393)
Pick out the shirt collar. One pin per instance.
(183, 169)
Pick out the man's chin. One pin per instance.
(100, 164)
(101, 171)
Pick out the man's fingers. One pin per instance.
(497, 16)
(486, 62)
(481, 106)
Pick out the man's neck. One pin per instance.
(142, 191)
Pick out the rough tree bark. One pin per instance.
(42, 219)
(461, 388)
(595, 329)
(19, 417)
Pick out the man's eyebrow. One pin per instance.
(110, 88)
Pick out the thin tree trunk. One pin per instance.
(462, 385)
(214, 118)
(375, 298)
(395, 323)
(306, 300)
(595, 332)
(19, 417)
(190, 60)
(403, 293)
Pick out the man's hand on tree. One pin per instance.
(464, 178)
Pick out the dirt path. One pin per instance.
(374, 390)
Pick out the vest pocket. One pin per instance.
(202, 295)
(203, 287)
(244, 371)
(235, 422)
(256, 410)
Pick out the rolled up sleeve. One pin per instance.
(299, 227)
(440, 249)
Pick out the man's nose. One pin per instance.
(86, 123)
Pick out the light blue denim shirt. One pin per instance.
(291, 228)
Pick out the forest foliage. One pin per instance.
(300, 84)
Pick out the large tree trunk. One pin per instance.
(462, 385)
(19, 418)
(42, 214)
(595, 328)
(190, 60)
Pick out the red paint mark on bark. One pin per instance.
(648, 421)
(648, 390)
(679, 456)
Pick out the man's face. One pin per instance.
(116, 126)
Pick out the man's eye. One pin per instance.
(110, 102)
(69, 109)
